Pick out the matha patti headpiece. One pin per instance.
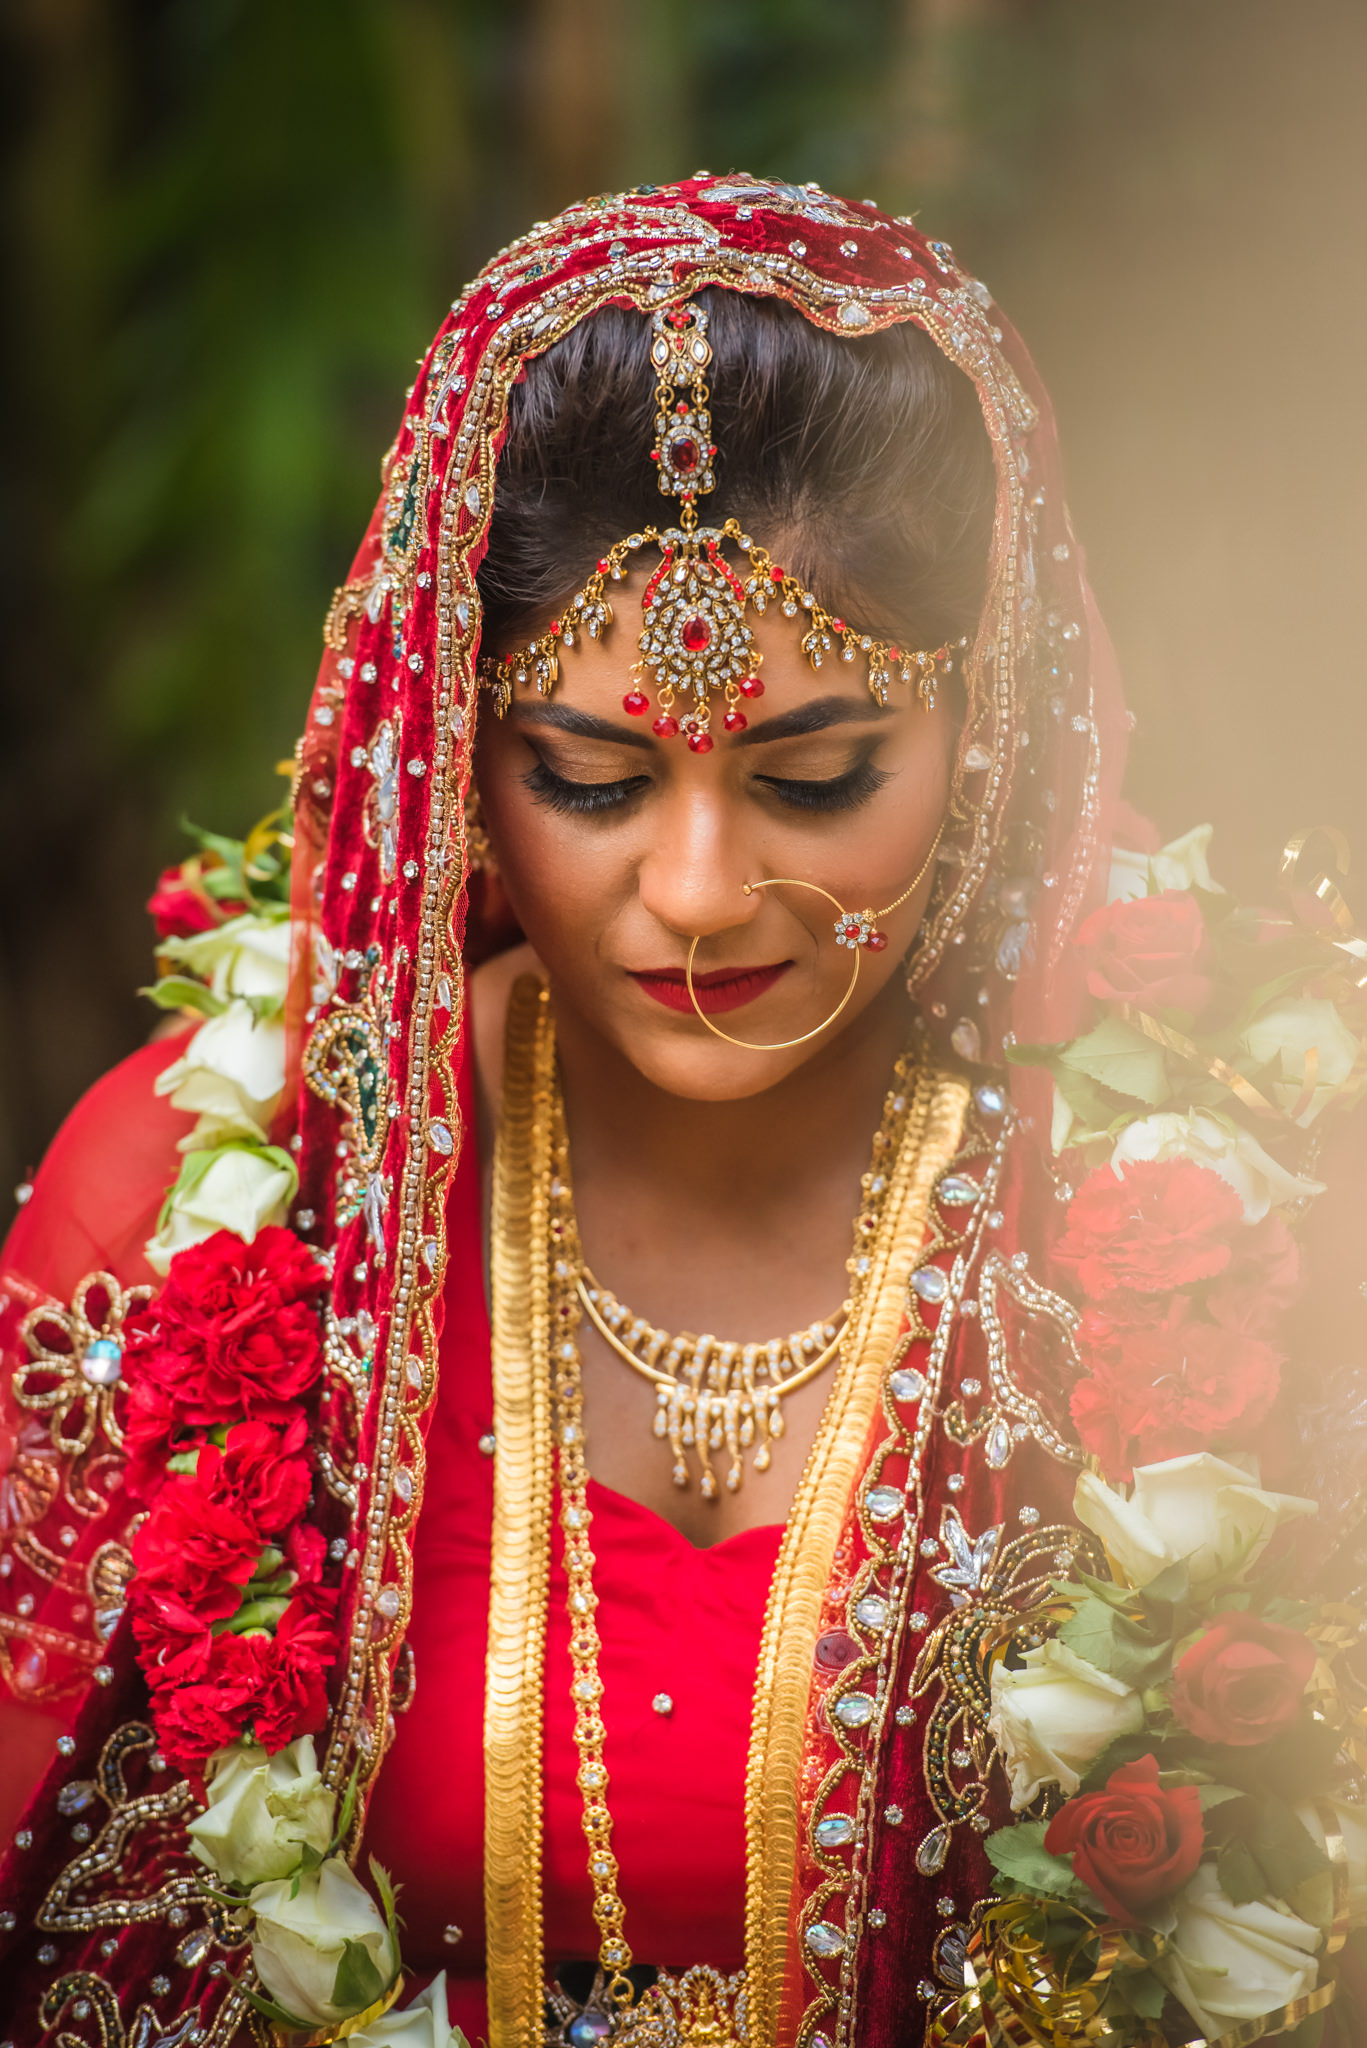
(695, 634)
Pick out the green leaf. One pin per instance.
(183, 992)
(1283, 1844)
(358, 1983)
(389, 1897)
(288, 2020)
(1242, 1877)
(1114, 1643)
(1019, 1854)
(1146, 1993)
(1120, 1058)
(1216, 1795)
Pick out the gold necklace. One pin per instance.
(713, 1395)
(566, 1301)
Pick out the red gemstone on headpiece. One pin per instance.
(682, 409)
(636, 702)
(683, 453)
(665, 726)
(876, 941)
(751, 686)
(701, 742)
(776, 575)
(735, 721)
(695, 633)
(555, 626)
(603, 566)
(894, 654)
(838, 624)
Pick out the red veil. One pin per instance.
(381, 912)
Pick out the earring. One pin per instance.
(857, 929)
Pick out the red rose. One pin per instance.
(1243, 1681)
(181, 907)
(1167, 1386)
(232, 1333)
(1151, 953)
(1167, 1224)
(1133, 1844)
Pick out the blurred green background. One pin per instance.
(232, 226)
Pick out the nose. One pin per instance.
(692, 879)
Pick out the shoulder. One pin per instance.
(490, 987)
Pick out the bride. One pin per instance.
(705, 1239)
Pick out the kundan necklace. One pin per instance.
(711, 1394)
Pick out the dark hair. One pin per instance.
(863, 466)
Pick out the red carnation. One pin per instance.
(232, 1333)
(1134, 1844)
(261, 1473)
(292, 1699)
(1151, 952)
(1167, 1386)
(1262, 1280)
(1168, 1223)
(1243, 1681)
(199, 1550)
(192, 1721)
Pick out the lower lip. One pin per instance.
(729, 992)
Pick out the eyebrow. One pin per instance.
(816, 716)
(566, 718)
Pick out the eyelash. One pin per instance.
(588, 799)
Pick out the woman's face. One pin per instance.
(617, 849)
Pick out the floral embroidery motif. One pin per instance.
(74, 1371)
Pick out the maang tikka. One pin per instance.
(695, 637)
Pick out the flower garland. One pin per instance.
(1184, 1737)
(234, 1620)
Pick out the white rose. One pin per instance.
(1287, 1032)
(1316, 1899)
(262, 1812)
(248, 956)
(299, 1938)
(1181, 864)
(240, 1188)
(230, 1074)
(1225, 1148)
(1207, 1510)
(423, 2023)
(1226, 1962)
(1053, 1718)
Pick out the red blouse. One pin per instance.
(680, 1630)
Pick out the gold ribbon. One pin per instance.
(345, 2028)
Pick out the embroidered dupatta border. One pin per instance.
(522, 1519)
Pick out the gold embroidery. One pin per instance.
(75, 1368)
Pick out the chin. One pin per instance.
(708, 1071)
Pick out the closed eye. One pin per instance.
(580, 799)
(833, 793)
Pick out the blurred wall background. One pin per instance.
(232, 225)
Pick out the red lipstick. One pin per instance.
(727, 988)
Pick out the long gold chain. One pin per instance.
(586, 1686)
(567, 1302)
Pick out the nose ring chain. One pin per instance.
(857, 929)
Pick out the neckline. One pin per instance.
(602, 1492)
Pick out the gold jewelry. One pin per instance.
(478, 852)
(563, 1260)
(856, 929)
(710, 1394)
(695, 635)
